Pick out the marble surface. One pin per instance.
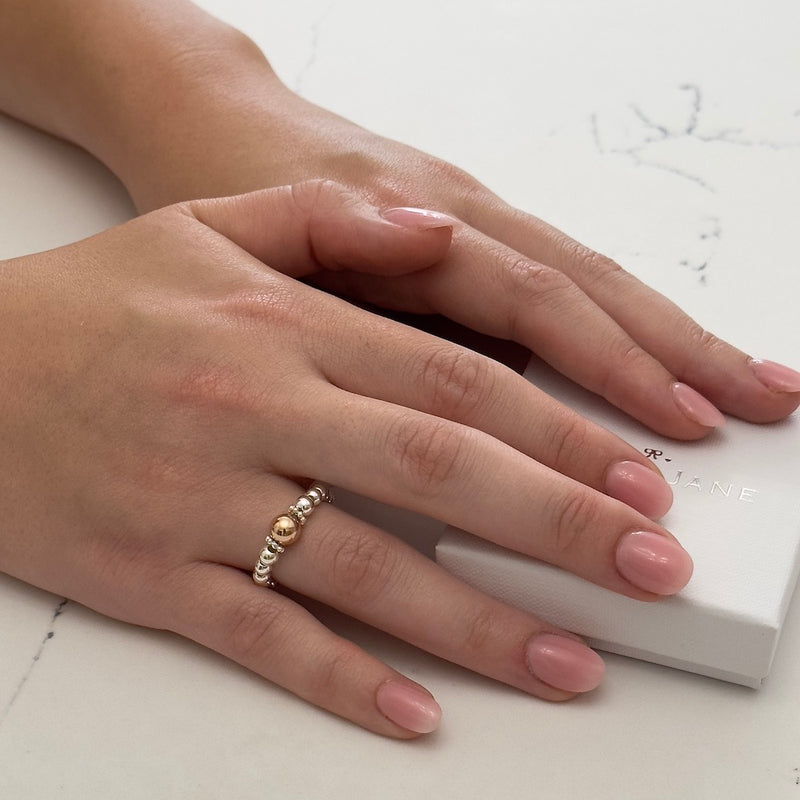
(666, 135)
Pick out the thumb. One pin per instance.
(316, 225)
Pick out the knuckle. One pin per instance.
(701, 339)
(698, 345)
(572, 519)
(479, 631)
(532, 280)
(591, 264)
(361, 564)
(457, 381)
(212, 387)
(531, 286)
(624, 358)
(566, 440)
(356, 167)
(447, 174)
(596, 264)
(426, 453)
(269, 303)
(332, 671)
(256, 629)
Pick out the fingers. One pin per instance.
(584, 315)
(368, 574)
(759, 391)
(321, 224)
(274, 637)
(494, 290)
(468, 479)
(414, 370)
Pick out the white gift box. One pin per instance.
(737, 512)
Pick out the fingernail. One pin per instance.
(408, 706)
(421, 218)
(696, 407)
(776, 376)
(653, 563)
(564, 663)
(640, 488)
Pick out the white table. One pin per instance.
(666, 135)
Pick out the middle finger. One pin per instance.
(468, 479)
(412, 369)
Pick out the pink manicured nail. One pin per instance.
(653, 563)
(776, 376)
(421, 218)
(696, 407)
(408, 706)
(564, 663)
(640, 488)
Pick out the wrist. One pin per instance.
(161, 126)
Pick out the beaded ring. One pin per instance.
(285, 530)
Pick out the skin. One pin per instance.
(172, 379)
(165, 380)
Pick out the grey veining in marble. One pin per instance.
(51, 632)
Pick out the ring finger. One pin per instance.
(368, 574)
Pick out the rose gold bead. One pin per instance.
(284, 530)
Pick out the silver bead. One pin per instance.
(274, 547)
(314, 496)
(304, 505)
(323, 491)
(297, 515)
(266, 558)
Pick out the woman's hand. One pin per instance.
(163, 389)
(181, 106)
(508, 274)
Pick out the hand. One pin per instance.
(233, 127)
(161, 387)
(508, 274)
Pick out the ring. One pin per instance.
(285, 530)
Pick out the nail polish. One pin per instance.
(696, 407)
(408, 706)
(653, 562)
(776, 376)
(421, 218)
(564, 663)
(640, 488)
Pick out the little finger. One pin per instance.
(368, 574)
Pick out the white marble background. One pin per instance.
(666, 135)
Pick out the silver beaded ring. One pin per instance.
(285, 530)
